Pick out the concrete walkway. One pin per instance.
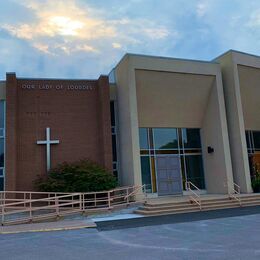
(47, 226)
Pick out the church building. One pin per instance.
(157, 121)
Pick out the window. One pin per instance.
(194, 170)
(146, 172)
(253, 149)
(2, 144)
(176, 141)
(114, 138)
(256, 140)
(165, 138)
(191, 138)
(143, 136)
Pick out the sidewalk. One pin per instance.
(48, 226)
(77, 221)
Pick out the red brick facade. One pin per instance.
(78, 114)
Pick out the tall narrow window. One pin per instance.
(114, 138)
(2, 144)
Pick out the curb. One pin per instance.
(47, 229)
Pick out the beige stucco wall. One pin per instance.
(235, 119)
(2, 90)
(130, 166)
(169, 99)
(249, 81)
(161, 92)
(217, 166)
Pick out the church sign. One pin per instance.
(56, 87)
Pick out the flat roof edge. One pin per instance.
(170, 58)
(231, 51)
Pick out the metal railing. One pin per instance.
(20, 207)
(235, 191)
(194, 196)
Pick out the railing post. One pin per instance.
(145, 193)
(83, 202)
(30, 205)
(24, 199)
(127, 197)
(3, 214)
(80, 202)
(57, 205)
(108, 196)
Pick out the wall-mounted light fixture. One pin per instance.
(210, 149)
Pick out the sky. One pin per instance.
(86, 38)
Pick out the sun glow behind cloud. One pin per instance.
(65, 25)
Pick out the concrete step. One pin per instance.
(185, 206)
(165, 212)
(191, 206)
(185, 210)
(187, 203)
(253, 202)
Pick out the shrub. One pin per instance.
(255, 178)
(256, 185)
(80, 176)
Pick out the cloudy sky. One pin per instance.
(86, 38)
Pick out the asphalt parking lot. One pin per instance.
(222, 238)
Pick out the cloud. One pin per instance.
(116, 45)
(254, 20)
(201, 9)
(67, 26)
(84, 38)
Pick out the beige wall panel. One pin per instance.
(171, 99)
(217, 165)
(130, 166)
(249, 81)
(2, 90)
(235, 121)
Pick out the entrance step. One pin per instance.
(184, 205)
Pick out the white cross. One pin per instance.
(48, 143)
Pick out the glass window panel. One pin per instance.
(191, 138)
(114, 148)
(146, 173)
(1, 152)
(143, 138)
(183, 173)
(112, 113)
(165, 138)
(2, 113)
(256, 136)
(194, 169)
(1, 172)
(247, 139)
(1, 184)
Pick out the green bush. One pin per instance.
(256, 185)
(255, 178)
(80, 176)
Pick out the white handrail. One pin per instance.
(236, 191)
(12, 202)
(135, 191)
(196, 196)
